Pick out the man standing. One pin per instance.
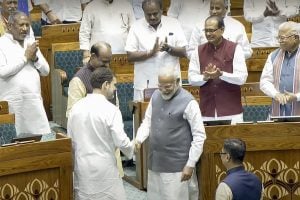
(153, 41)
(21, 64)
(80, 85)
(176, 134)
(219, 68)
(266, 16)
(106, 20)
(189, 13)
(96, 128)
(280, 78)
(238, 184)
(234, 30)
(58, 11)
(8, 8)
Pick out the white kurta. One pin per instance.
(267, 79)
(234, 32)
(96, 128)
(20, 86)
(167, 185)
(265, 29)
(142, 37)
(65, 10)
(189, 13)
(102, 21)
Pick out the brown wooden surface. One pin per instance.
(39, 170)
(273, 151)
(54, 34)
(3, 107)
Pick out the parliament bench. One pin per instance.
(7, 124)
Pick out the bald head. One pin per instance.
(100, 55)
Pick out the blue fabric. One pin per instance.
(37, 28)
(23, 6)
(256, 113)
(68, 61)
(244, 185)
(125, 95)
(7, 133)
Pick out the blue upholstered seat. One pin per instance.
(37, 28)
(256, 113)
(68, 61)
(7, 133)
(125, 95)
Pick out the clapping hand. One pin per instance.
(212, 72)
(30, 52)
(271, 9)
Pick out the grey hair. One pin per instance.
(12, 18)
(293, 26)
(169, 71)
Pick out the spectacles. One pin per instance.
(222, 153)
(210, 30)
(283, 38)
(165, 86)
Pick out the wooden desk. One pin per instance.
(273, 151)
(39, 170)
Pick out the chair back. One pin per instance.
(7, 124)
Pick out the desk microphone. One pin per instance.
(147, 83)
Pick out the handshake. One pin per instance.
(137, 146)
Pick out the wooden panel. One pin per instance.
(3, 107)
(40, 170)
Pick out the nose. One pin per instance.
(152, 17)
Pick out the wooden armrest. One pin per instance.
(62, 74)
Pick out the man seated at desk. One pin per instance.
(280, 78)
(219, 68)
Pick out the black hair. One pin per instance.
(236, 148)
(157, 2)
(220, 20)
(101, 75)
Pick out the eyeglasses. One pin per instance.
(210, 30)
(165, 86)
(222, 153)
(283, 38)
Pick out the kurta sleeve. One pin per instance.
(7, 70)
(240, 72)
(267, 79)
(223, 192)
(119, 136)
(194, 75)
(76, 92)
(42, 65)
(144, 129)
(85, 30)
(193, 115)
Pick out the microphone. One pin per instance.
(147, 83)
